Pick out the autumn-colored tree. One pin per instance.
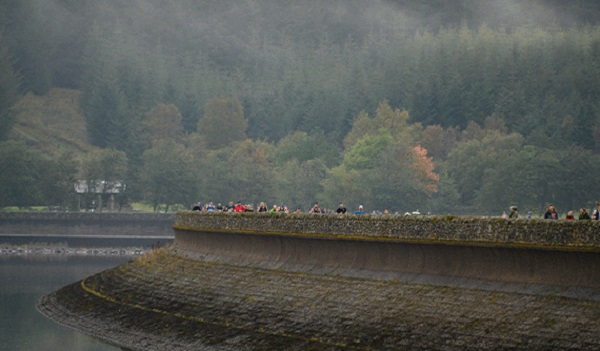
(223, 122)
(424, 170)
(406, 177)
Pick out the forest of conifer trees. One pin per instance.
(446, 106)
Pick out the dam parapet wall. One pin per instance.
(445, 250)
(561, 234)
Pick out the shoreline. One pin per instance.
(61, 251)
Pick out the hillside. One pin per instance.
(52, 123)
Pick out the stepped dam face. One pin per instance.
(327, 282)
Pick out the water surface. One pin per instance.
(23, 280)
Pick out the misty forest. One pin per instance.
(448, 107)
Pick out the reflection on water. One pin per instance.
(23, 280)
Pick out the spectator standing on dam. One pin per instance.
(514, 213)
(262, 207)
(315, 209)
(551, 213)
(341, 209)
(570, 216)
(583, 215)
(197, 206)
(239, 207)
(230, 207)
(360, 210)
(283, 208)
(210, 207)
(596, 212)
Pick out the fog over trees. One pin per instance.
(464, 106)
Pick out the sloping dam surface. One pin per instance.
(329, 282)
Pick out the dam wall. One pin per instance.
(433, 229)
(249, 281)
(448, 250)
(86, 223)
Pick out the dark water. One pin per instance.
(24, 278)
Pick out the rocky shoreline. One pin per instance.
(167, 301)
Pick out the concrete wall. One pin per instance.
(85, 223)
(440, 250)
(431, 229)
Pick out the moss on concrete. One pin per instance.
(163, 301)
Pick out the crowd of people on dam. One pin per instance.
(282, 208)
(551, 212)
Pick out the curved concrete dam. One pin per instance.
(329, 282)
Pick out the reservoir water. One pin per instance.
(27, 274)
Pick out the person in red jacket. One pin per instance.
(239, 207)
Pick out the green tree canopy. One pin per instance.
(251, 173)
(302, 147)
(167, 176)
(105, 164)
(382, 173)
(57, 184)
(299, 184)
(23, 174)
(467, 164)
